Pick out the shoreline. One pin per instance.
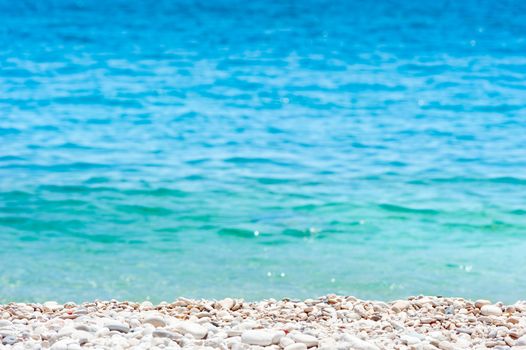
(328, 322)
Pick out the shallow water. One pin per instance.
(257, 149)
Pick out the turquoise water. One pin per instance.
(262, 149)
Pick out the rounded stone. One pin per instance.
(82, 336)
(521, 341)
(162, 333)
(286, 341)
(306, 339)
(65, 344)
(400, 305)
(9, 340)
(156, 321)
(52, 305)
(491, 310)
(227, 303)
(257, 337)
(5, 323)
(195, 329)
(409, 340)
(117, 326)
(146, 305)
(296, 346)
(357, 343)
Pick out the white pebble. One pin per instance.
(196, 330)
(521, 341)
(227, 303)
(400, 305)
(491, 310)
(409, 340)
(155, 320)
(5, 323)
(117, 326)
(296, 346)
(257, 337)
(306, 339)
(65, 344)
(358, 344)
(286, 341)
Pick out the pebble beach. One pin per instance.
(329, 322)
(152, 150)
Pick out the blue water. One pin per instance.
(152, 149)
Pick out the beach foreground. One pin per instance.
(329, 322)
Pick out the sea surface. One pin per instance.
(257, 149)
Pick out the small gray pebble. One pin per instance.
(9, 340)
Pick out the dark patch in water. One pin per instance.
(298, 233)
(402, 209)
(144, 210)
(237, 232)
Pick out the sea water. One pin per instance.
(257, 149)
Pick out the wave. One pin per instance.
(144, 210)
(155, 192)
(255, 160)
(460, 179)
(237, 232)
(403, 209)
